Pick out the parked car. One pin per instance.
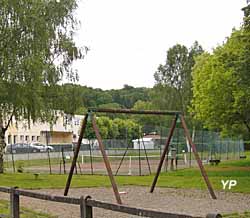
(21, 148)
(41, 147)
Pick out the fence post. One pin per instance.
(14, 203)
(85, 210)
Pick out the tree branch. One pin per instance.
(9, 121)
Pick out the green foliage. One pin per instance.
(149, 122)
(186, 178)
(127, 129)
(127, 96)
(75, 98)
(34, 36)
(173, 79)
(221, 86)
(111, 129)
(37, 49)
(70, 99)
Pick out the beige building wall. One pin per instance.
(65, 130)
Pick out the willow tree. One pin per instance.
(36, 51)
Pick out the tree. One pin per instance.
(127, 129)
(70, 99)
(111, 129)
(107, 128)
(175, 76)
(127, 96)
(147, 121)
(221, 86)
(37, 48)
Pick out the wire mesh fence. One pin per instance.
(138, 156)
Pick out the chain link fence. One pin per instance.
(126, 157)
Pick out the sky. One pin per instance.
(128, 39)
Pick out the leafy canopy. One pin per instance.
(173, 79)
(221, 85)
(37, 48)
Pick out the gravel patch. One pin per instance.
(182, 201)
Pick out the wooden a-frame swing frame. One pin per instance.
(177, 115)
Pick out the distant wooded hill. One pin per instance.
(83, 97)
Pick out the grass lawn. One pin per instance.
(237, 215)
(24, 212)
(187, 178)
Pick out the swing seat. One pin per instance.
(214, 161)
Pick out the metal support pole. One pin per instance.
(177, 148)
(60, 167)
(91, 160)
(120, 164)
(139, 143)
(79, 166)
(85, 210)
(50, 171)
(165, 151)
(106, 161)
(73, 164)
(166, 162)
(145, 151)
(12, 158)
(48, 150)
(63, 160)
(203, 172)
(14, 204)
(76, 168)
(227, 150)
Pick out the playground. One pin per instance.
(181, 191)
(167, 179)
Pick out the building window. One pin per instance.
(21, 138)
(9, 139)
(33, 138)
(77, 122)
(26, 138)
(67, 120)
(15, 139)
(38, 138)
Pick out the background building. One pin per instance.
(64, 131)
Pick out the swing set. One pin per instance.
(90, 116)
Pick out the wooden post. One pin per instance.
(73, 164)
(165, 151)
(85, 210)
(14, 204)
(106, 161)
(203, 172)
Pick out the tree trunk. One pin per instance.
(2, 146)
